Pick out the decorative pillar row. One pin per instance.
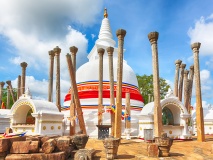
(118, 111)
(110, 51)
(199, 109)
(153, 37)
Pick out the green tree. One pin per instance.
(4, 97)
(145, 85)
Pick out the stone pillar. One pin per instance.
(76, 98)
(51, 67)
(182, 67)
(73, 51)
(23, 76)
(149, 98)
(11, 90)
(199, 109)
(110, 51)
(19, 87)
(118, 111)
(100, 86)
(186, 89)
(191, 77)
(1, 91)
(57, 52)
(153, 37)
(177, 64)
(128, 120)
(8, 98)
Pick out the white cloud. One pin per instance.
(39, 88)
(204, 76)
(203, 33)
(35, 28)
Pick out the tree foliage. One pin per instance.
(145, 85)
(4, 97)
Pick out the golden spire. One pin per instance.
(105, 13)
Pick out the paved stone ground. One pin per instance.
(137, 149)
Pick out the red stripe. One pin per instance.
(106, 94)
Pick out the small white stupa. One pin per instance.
(36, 117)
(174, 119)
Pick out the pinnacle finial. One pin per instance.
(105, 13)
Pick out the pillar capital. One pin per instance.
(8, 82)
(23, 64)
(73, 49)
(192, 67)
(51, 53)
(178, 62)
(121, 33)
(195, 46)
(101, 51)
(110, 51)
(153, 37)
(2, 84)
(57, 50)
(186, 72)
(183, 66)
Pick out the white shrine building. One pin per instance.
(174, 119)
(36, 117)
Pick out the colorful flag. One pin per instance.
(3, 106)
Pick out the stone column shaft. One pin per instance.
(75, 91)
(182, 66)
(153, 37)
(11, 90)
(23, 76)
(177, 64)
(128, 111)
(110, 51)
(19, 87)
(120, 34)
(199, 109)
(8, 98)
(57, 52)
(1, 91)
(51, 68)
(186, 89)
(73, 51)
(100, 86)
(191, 77)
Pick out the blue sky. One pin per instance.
(28, 30)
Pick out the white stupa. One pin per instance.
(87, 78)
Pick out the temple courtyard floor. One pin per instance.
(137, 149)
